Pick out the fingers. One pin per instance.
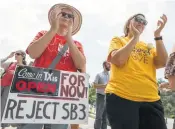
(163, 21)
(12, 53)
(55, 14)
(164, 18)
(165, 85)
(132, 26)
(135, 29)
(169, 87)
(161, 86)
(58, 16)
(70, 23)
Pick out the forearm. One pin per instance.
(83, 70)
(120, 56)
(38, 47)
(162, 55)
(99, 86)
(78, 58)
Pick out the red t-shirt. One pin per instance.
(8, 76)
(66, 63)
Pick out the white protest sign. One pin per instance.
(47, 96)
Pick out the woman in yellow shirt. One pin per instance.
(132, 99)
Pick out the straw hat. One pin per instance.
(76, 13)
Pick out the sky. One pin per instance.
(102, 20)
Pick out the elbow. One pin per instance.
(33, 51)
(160, 64)
(81, 65)
(164, 64)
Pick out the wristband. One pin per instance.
(158, 38)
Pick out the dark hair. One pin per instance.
(104, 63)
(24, 61)
(23, 54)
(126, 29)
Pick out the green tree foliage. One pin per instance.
(168, 101)
(92, 95)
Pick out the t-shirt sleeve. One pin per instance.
(97, 79)
(80, 47)
(115, 44)
(38, 36)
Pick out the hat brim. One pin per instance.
(77, 16)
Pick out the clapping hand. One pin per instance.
(160, 25)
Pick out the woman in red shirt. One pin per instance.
(7, 76)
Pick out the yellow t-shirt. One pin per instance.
(136, 80)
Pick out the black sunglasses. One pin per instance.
(140, 20)
(70, 16)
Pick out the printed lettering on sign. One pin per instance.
(31, 80)
(40, 95)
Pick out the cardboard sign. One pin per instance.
(49, 96)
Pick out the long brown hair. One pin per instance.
(126, 28)
(23, 54)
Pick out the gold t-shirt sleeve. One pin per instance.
(115, 44)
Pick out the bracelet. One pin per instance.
(158, 38)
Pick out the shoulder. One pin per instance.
(6, 64)
(43, 31)
(119, 40)
(100, 74)
(39, 34)
(116, 38)
(79, 45)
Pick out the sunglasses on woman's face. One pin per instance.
(64, 14)
(140, 20)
